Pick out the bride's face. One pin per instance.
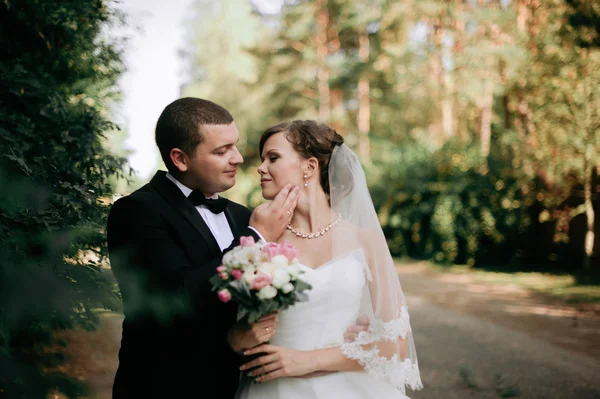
(281, 164)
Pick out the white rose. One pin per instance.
(245, 255)
(280, 278)
(228, 258)
(279, 261)
(236, 259)
(294, 272)
(267, 292)
(248, 267)
(266, 268)
(249, 276)
(289, 287)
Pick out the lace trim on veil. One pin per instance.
(400, 373)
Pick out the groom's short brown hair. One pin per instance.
(179, 125)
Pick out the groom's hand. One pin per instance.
(271, 218)
(362, 324)
(243, 336)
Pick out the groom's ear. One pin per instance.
(311, 167)
(179, 159)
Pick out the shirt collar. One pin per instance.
(185, 189)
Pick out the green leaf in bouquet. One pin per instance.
(241, 287)
(268, 307)
(302, 285)
(285, 300)
(264, 308)
(244, 297)
(301, 297)
(217, 282)
(253, 316)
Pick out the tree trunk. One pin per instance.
(447, 115)
(590, 161)
(364, 110)
(322, 52)
(458, 49)
(522, 15)
(505, 100)
(589, 213)
(336, 102)
(439, 76)
(486, 118)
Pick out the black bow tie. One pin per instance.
(213, 205)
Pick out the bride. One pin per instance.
(345, 258)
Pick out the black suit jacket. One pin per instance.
(174, 341)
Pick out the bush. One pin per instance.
(57, 79)
(449, 205)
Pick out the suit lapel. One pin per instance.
(173, 195)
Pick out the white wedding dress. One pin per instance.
(334, 304)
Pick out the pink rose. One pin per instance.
(271, 250)
(247, 241)
(221, 270)
(288, 250)
(224, 295)
(237, 274)
(261, 281)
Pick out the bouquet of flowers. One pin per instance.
(260, 277)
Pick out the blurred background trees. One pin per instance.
(58, 76)
(478, 121)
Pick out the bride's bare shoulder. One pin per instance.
(356, 236)
(353, 233)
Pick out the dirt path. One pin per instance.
(463, 356)
(91, 357)
(570, 326)
(474, 340)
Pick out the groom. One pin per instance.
(165, 241)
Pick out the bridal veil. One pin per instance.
(387, 349)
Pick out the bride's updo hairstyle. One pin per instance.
(309, 139)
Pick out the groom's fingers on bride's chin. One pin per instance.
(284, 203)
(291, 201)
(281, 196)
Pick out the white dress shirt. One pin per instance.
(216, 222)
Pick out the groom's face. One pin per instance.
(281, 164)
(214, 163)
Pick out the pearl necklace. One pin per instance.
(318, 233)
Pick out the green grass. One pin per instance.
(505, 390)
(468, 378)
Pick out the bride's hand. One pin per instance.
(279, 362)
(362, 324)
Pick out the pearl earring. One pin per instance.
(305, 182)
